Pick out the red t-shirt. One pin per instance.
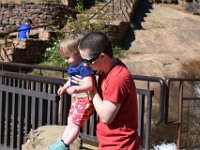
(117, 86)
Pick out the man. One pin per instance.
(115, 101)
(24, 29)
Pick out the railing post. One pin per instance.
(1, 115)
(180, 105)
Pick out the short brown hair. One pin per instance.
(69, 46)
(96, 42)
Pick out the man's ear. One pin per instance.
(102, 55)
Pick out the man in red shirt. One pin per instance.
(115, 101)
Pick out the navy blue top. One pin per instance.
(23, 29)
(80, 70)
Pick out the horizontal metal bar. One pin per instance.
(32, 66)
(182, 79)
(191, 98)
(35, 94)
(29, 77)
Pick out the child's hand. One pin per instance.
(61, 90)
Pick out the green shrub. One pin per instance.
(52, 56)
(82, 23)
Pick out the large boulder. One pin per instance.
(165, 42)
(42, 137)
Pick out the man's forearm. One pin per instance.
(98, 103)
(106, 109)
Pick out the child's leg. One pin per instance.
(72, 130)
(71, 133)
(80, 111)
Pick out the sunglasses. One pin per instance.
(90, 61)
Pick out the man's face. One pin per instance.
(90, 61)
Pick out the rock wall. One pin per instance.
(24, 51)
(42, 137)
(11, 15)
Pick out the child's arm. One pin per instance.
(62, 89)
(86, 85)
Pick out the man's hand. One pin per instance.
(77, 79)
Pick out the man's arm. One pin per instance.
(106, 109)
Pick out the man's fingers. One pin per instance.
(78, 76)
(75, 79)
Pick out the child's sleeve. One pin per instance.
(86, 71)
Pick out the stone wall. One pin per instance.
(41, 14)
(24, 51)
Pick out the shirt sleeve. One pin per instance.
(85, 71)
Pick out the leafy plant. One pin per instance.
(87, 21)
(52, 55)
(117, 51)
(78, 26)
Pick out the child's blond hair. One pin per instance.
(69, 46)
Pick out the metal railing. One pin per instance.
(144, 123)
(117, 9)
(187, 104)
(26, 102)
(24, 68)
(29, 101)
(162, 93)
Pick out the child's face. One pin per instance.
(73, 59)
